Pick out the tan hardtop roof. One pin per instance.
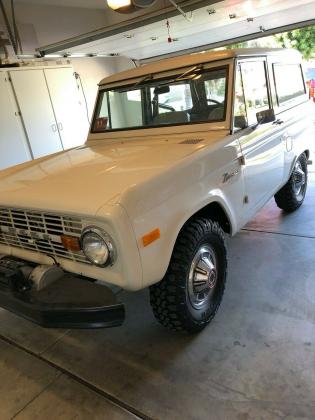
(194, 59)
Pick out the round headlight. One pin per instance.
(97, 246)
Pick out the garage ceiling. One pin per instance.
(212, 25)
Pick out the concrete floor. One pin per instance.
(255, 361)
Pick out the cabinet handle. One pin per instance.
(60, 126)
(54, 127)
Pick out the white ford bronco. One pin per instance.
(181, 153)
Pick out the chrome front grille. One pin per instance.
(39, 232)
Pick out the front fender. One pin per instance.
(167, 201)
(155, 257)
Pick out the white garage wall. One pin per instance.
(93, 70)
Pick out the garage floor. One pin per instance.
(255, 361)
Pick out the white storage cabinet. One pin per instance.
(41, 112)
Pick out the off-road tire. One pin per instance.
(170, 299)
(287, 198)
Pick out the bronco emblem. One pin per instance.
(227, 176)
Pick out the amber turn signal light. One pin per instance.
(151, 237)
(71, 243)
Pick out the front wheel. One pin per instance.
(190, 293)
(292, 194)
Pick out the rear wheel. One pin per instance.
(292, 195)
(190, 293)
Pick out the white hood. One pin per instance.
(82, 180)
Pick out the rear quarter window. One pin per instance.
(289, 82)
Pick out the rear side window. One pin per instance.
(289, 82)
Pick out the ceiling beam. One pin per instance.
(125, 26)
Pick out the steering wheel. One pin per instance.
(214, 101)
(170, 108)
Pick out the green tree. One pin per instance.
(302, 40)
(237, 45)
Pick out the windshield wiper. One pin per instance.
(147, 77)
(167, 82)
(187, 72)
(182, 76)
(132, 87)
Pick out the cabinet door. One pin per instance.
(70, 114)
(13, 143)
(38, 116)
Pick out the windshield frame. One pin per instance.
(178, 74)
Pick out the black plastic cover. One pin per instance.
(70, 302)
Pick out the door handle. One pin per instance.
(54, 127)
(60, 126)
(278, 122)
(241, 160)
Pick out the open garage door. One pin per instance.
(213, 24)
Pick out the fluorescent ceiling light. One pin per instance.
(130, 6)
(117, 4)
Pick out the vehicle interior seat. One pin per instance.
(216, 114)
(172, 117)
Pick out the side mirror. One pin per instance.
(267, 116)
(240, 121)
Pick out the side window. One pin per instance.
(255, 88)
(240, 117)
(289, 82)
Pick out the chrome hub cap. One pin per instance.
(299, 180)
(202, 276)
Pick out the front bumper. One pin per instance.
(69, 302)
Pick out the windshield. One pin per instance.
(193, 97)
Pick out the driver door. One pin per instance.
(261, 144)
